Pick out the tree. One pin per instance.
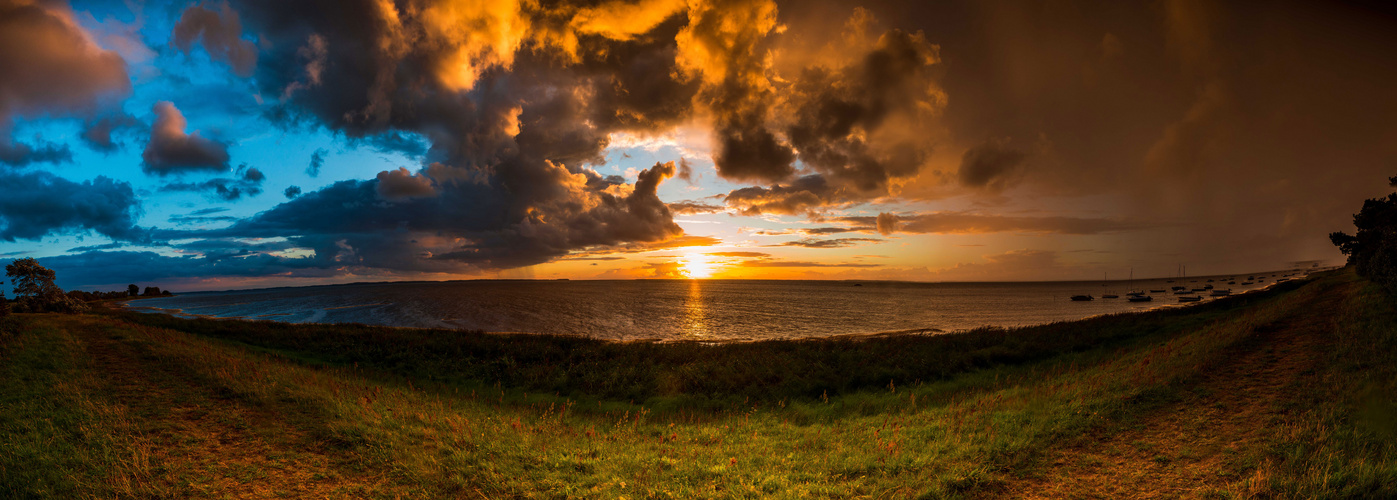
(152, 291)
(133, 290)
(34, 288)
(31, 280)
(1372, 250)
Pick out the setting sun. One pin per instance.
(697, 266)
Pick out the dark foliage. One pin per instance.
(35, 291)
(152, 291)
(692, 375)
(133, 290)
(82, 296)
(1372, 250)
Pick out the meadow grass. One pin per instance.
(378, 412)
(1338, 437)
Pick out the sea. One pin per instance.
(687, 310)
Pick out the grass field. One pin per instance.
(1287, 393)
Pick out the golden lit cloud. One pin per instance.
(479, 35)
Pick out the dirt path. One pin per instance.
(1192, 447)
(199, 440)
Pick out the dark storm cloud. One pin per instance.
(350, 224)
(98, 132)
(803, 195)
(409, 145)
(248, 182)
(856, 123)
(512, 129)
(105, 268)
(36, 204)
(817, 231)
(17, 154)
(400, 185)
(223, 248)
(220, 32)
(198, 219)
(171, 150)
(725, 45)
(857, 126)
(93, 248)
(972, 223)
(830, 243)
(317, 160)
(695, 207)
(989, 165)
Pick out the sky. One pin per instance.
(256, 143)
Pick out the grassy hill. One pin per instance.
(1286, 393)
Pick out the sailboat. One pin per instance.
(1136, 295)
(1104, 293)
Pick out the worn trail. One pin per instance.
(199, 439)
(1188, 448)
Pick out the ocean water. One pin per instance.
(681, 309)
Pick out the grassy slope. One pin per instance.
(140, 406)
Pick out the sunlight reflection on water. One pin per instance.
(695, 318)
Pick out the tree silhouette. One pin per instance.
(133, 290)
(1372, 250)
(34, 288)
(31, 280)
